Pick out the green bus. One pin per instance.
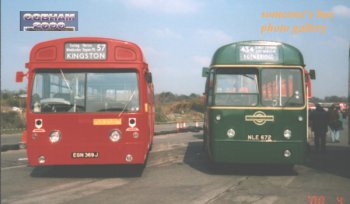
(256, 98)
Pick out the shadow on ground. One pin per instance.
(335, 161)
(87, 171)
(196, 158)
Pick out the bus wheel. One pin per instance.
(141, 167)
(209, 162)
(150, 147)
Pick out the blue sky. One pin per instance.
(179, 37)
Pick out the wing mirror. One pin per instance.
(205, 71)
(19, 76)
(149, 77)
(312, 74)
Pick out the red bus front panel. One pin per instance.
(85, 139)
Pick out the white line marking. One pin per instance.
(13, 167)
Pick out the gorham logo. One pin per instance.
(259, 118)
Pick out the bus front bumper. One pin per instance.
(248, 152)
(134, 153)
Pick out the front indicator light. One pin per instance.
(55, 136)
(34, 136)
(115, 136)
(287, 153)
(287, 134)
(135, 135)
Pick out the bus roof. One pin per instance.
(257, 53)
(86, 49)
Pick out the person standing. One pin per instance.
(319, 125)
(334, 123)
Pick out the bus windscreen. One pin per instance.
(236, 87)
(282, 87)
(240, 87)
(69, 91)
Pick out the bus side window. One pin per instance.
(210, 91)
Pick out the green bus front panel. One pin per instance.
(258, 135)
(257, 152)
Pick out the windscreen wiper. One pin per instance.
(130, 99)
(66, 81)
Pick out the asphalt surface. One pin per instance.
(177, 171)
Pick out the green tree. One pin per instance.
(335, 99)
(11, 120)
(159, 115)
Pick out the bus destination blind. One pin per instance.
(85, 51)
(259, 53)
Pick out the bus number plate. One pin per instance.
(78, 155)
(260, 138)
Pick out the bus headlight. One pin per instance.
(129, 158)
(41, 160)
(287, 134)
(115, 136)
(55, 136)
(231, 133)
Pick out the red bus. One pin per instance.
(90, 101)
